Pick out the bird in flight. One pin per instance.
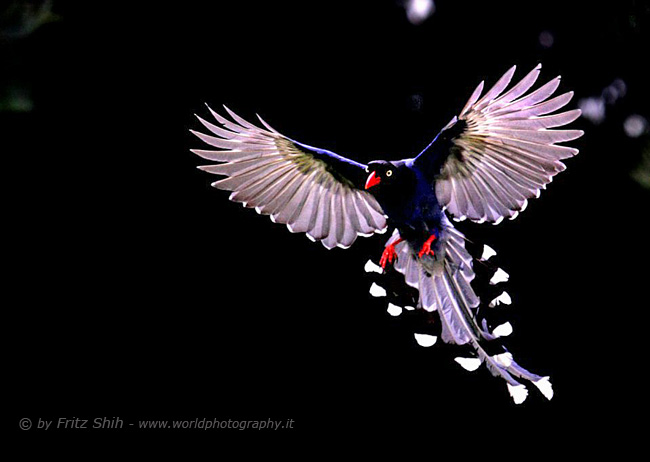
(500, 151)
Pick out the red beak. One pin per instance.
(372, 180)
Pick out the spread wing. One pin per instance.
(506, 152)
(310, 190)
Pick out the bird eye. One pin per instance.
(389, 172)
(367, 169)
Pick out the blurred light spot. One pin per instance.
(416, 102)
(635, 126)
(641, 174)
(16, 98)
(593, 109)
(417, 11)
(615, 91)
(18, 18)
(632, 21)
(546, 39)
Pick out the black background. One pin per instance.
(139, 291)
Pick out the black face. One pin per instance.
(381, 174)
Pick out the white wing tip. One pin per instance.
(524, 205)
(425, 340)
(328, 244)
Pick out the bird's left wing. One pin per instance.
(308, 189)
(506, 150)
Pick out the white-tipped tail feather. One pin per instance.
(488, 252)
(425, 340)
(394, 310)
(469, 364)
(371, 267)
(377, 291)
(502, 330)
(443, 284)
(544, 386)
(499, 276)
(519, 393)
(504, 299)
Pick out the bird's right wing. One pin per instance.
(310, 190)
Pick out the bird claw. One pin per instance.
(387, 256)
(426, 247)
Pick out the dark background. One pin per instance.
(136, 290)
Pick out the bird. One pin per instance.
(497, 153)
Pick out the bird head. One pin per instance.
(380, 172)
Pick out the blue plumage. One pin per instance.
(408, 195)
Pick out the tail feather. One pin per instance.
(443, 282)
(455, 327)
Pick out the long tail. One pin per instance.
(443, 284)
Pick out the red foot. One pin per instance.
(426, 247)
(389, 253)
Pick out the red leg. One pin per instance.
(389, 253)
(426, 247)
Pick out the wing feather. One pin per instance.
(307, 189)
(507, 151)
(301, 221)
(518, 89)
